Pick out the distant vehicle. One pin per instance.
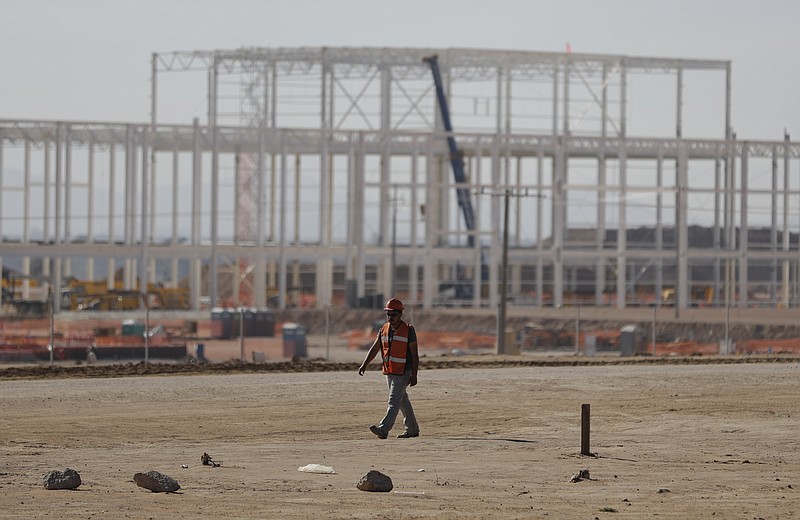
(27, 295)
(95, 295)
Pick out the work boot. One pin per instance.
(407, 435)
(377, 431)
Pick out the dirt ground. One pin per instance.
(669, 441)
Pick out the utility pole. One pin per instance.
(394, 199)
(241, 334)
(394, 242)
(501, 311)
(146, 328)
(51, 311)
(501, 317)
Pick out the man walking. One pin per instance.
(397, 343)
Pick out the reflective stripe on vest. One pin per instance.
(394, 352)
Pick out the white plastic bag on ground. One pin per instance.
(316, 468)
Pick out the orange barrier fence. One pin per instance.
(42, 341)
(103, 341)
(452, 340)
(683, 348)
(361, 340)
(768, 346)
(540, 338)
(358, 339)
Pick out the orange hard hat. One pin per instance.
(394, 305)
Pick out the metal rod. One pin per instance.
(146, 330)
(394, 242)
(241, 334)
(727, 328)
(52, 323)
(328, 333)
(655, 308)
(585, 430)
(501, 316)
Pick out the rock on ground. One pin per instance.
(67, 479)
(156, 482)
(375, 481)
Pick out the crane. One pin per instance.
(456, 157)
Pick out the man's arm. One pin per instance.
(412, 347)
(373, 351)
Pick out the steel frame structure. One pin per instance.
(319, 198)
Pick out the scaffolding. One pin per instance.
(319, 176)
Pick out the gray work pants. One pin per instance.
(399, 402)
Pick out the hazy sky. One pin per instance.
(90, 59)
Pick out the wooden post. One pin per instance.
(585, 430)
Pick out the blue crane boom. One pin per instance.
(456, 157)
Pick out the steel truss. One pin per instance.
(429, 248)
(307, 202)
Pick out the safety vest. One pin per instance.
(394, 351)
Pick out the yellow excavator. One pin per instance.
(701, 296)
(95, 295)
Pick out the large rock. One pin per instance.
(67, 479)
(156, 482)
(375, 481)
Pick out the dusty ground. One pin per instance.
(673, 441)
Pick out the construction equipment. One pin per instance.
(460, 290)
(95, 295)
(172, 298)
(27, 294)
(456, 157)
(79, 295)
(701, 296)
